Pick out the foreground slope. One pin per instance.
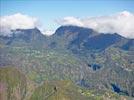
(12, 84)
(66, 90)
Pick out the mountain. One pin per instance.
(104, 54)
(99, 62)
(69, 36)
(25, 37)
(129, 45)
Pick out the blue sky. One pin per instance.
(49, 10)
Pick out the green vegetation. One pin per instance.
(13, 84)
(70, 65)
(40, 65)
(49, 65)
(66, 90)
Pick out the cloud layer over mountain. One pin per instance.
(121, 23)
(17, 21)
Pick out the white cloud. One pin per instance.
(47, 32)
(121, 23)
(17, 21)
(70, 20)
(21, 21)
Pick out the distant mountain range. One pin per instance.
(94, 62)
(73, 37)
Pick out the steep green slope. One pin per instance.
(15, 86)
(57, 90)
(112, 66)
(40, 65)
(66, 90)
(12, 84)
